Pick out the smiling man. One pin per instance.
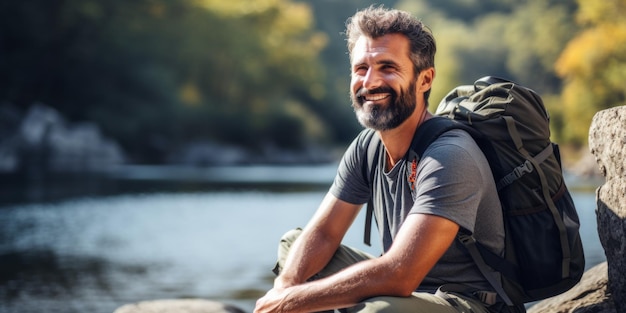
(392, 66)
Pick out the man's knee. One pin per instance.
(284, 246)
(290, 236)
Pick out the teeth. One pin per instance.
(376, 97)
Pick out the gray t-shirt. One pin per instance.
(452, 180)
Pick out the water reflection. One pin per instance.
(32, 278)
(95, 254)
(167, 238)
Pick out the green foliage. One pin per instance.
(516, 40)
(156, 74)
(593, 66)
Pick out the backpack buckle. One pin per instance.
(525, 168)
(514, 175)
(466, 239)
(487, 297)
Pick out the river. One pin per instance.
(179, 233)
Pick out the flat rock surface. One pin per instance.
(589, 295)
(178, 306)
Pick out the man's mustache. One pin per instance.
(362, 92)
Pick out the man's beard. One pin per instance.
(382, 118)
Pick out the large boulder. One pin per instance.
(607, 142)
(588, 296)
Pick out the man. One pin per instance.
(392, 65)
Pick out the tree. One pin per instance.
(593, 66)
(157, 73)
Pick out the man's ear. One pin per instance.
(425, 79)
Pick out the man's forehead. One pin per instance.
(391, 45)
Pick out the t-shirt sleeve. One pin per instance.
(449, 182)
(351, 184)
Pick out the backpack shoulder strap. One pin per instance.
(426, 133)
(481, 256)
(371, 161)
(430, 130)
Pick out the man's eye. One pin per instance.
(362, 70)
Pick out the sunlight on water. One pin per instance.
(97, 254)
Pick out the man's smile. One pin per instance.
(376, 97)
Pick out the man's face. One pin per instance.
(383, 83)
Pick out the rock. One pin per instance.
(42, 141)
(586, 168)
(590, 295)
(81, 147)
(607, 142)
(39, 121)
(178, 306)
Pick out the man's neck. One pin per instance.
(398, 140)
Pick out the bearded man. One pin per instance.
(451, 190)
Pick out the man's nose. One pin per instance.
(372, 79)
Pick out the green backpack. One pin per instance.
(543, 251)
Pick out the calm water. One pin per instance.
(94, 254)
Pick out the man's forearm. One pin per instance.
(344, 289)
(308, 256)
(319, 240)
(421, 241)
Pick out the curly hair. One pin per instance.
(375, 22)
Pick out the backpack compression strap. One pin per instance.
(531, 162)
(535, 161)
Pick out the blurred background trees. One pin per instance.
(156, 75)
(593, 66)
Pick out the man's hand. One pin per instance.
(273, 301)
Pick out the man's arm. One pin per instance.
(318, 242)
(419, 244)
